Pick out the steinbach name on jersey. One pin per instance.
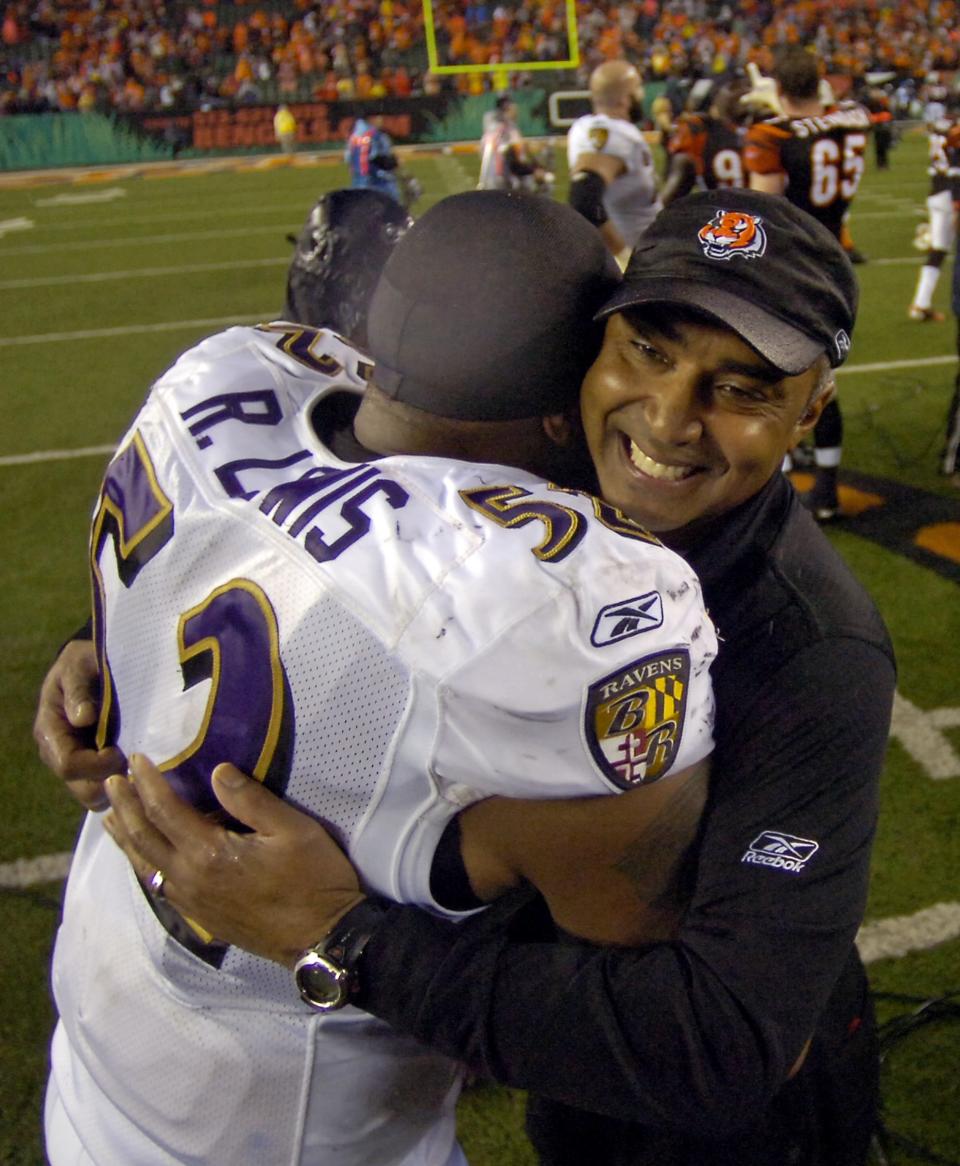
(382, 644)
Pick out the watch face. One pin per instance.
(322, 983)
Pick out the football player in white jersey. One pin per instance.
(383, 641)
(506, 161)
(337, 260)
(613, 178)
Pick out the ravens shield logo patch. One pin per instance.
(598, 137)
(634, 718)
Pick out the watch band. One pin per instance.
(326, 974)
(345, 941)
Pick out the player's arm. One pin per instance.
(382, 156)
(681, 176)
(761, 158)
(518, 160)
(590, 176)
(769, 183)
(610, 868)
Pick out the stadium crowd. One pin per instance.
(162, 54)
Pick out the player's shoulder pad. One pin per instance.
(772, 131)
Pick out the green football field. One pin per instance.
(104, 281)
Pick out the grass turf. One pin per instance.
(100, 296)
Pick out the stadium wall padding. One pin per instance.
(50, 140)
(41, 140)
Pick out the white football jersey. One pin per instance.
(498, 136)
(382, 644)
(631, 201)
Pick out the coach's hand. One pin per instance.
(274, 891)
(67, 711)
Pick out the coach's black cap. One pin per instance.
(757, 263)
(485, 309)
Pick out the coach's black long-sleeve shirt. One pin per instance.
(698, 1034)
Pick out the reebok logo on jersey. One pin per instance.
(731, 233)
(784, 851)
(634, 718)
(629, 617)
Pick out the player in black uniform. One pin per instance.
(705, 148)
(944, 171)
(746, 1039)
(814, 155)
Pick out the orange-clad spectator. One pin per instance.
(609, 44)
(363, 83)
(260, 20)
(243, 70)
(11, 29)
(286, 77)
(478, 53)
(328, 88)
(403, 37)
(113, 38)
(304, 57)
(402, 86)
(133, 94)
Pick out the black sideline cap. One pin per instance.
(757, 263)
(485, 309)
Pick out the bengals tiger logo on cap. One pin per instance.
(732, 233)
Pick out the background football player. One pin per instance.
(507, 160)
(813, 154)
(705, 147)
(944, 170)
(613, 178)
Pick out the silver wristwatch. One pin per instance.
(326, 974)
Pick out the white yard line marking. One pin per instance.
(55, 455)
(21, 224)
(888, 365)
(243, 208)
(83, 197)
(901, 934)
(141, 273)
(132, 241)
(27, 872)
(133, 329)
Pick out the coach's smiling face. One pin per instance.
(685, 421)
